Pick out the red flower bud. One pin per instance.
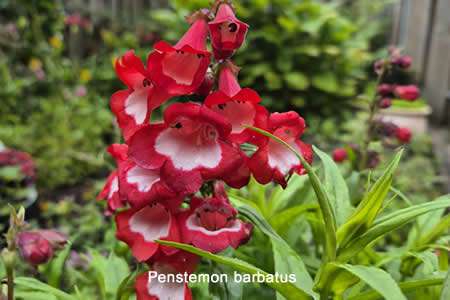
(34, 248)
(403, 62)
(385, 103)
(385, 89)
(403, 135)
(339, 155)
(407, 92)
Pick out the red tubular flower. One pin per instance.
(339, 155)
(189, 147)
(407, 92)
(274, 161)
(403, 135)
(227, 32)
(110, 191)
(180, 69)
(149, 287)
(139, 228)
(133, 106)
(239, 106)
(211, 224)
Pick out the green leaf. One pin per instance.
(288, 290)
(389, 223)
(297, 81)
(368, 209)
(34, 296)
(109, 272)
(287, 261)
(126, 287)
(281, 198)
(56, 266)
(284, 219)
(406, 286)
(336, 188)
(24, 284)
(435, 233)
(445, 293)
(322, 197)
(326, 82)
(378, 279)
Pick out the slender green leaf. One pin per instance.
(288, 290)
(19, 295)
(407, 286)
(376, 278)
(445, 293)
(389, 223)
(322, 197)
(336, 188)
(56, 267)
(287, 261)
(435, 232)
(370, 206)
(24, 284)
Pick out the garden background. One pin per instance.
(316, 57)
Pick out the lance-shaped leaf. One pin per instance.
(368, 209)
(389, 223)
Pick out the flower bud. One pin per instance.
(385, 103)
(385, 89)
(403, 135)
(340, 155)
(34, 248)
(403, 62)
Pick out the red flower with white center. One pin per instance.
(239, 177)
(133, 106)
(239, 106)
(189, 147)
(274, 161)
(139, 228)
(211, 224)
(110, 191)
(180, 69)
(149, 287)
(227, 32)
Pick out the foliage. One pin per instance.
(306, 55)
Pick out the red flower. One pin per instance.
(139, 228)
(403, 135)
(274, 161)
(181, 69)
(403, 62)
(11, 157)
(407, 92)
(238, 106)
(227, 32)
(211, 224)
(37, 247)
(149, 287)
(339, 155)
(189, 147)
(133, 106)
(110, 191)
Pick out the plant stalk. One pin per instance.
(10, 282)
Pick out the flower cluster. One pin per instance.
(169, 181)
(388, 89)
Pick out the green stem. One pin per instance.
(10, 282)
(373, 109)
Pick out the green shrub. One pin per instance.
(298, 54)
